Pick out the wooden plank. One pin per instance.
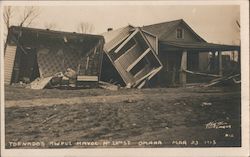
(202, 74)
(126, 53)
(9, 59)
(138, 60)
(153, 74)
(126, 41)
(147, 75)
(183, 76)
(124, 74)
(87, 78)
(130, 56)
(109, 46)
(40, 83)
(108, 86)
(116, 39)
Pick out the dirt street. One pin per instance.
(164, 117)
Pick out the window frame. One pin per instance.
(182, 33)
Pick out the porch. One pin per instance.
(193, 62)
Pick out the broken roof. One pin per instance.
(112, 38)
(161, 29)
(50, 32)
(33, 35)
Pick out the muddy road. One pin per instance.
(97, 118)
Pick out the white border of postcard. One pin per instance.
(223, 151)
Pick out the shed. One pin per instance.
(132, 53)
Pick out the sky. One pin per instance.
(214, 23)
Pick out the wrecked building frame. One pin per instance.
(35, 53)
(133, 55)
(130, 57)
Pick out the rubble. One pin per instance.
(35, 56)
(108, 86)
(230, 79)
(40, 83)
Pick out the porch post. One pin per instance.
(213, 62)
(239, 58)
(183, 77)
(220, 63)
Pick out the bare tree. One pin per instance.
(30, 13)
(7, 15)
(85, 27)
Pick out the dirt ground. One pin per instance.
(97, 118)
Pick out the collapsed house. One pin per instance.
(36, 55)
(132, 55)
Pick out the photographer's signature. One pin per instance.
(218, 125)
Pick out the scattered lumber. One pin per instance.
(40, 83)
(109, 86)
(225, 79)
(202, 74)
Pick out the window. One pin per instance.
(180, 33)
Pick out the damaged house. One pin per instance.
(186, 57)
(36, 56)
(162, 55)
(158, 55)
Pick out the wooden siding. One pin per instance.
(138, 59)
(153, 42)
(117, 39)
(9, 58)
(127, 77)
(188, 35)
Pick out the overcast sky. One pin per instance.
(215, 24)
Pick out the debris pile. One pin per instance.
(225, 80)
(43, 58)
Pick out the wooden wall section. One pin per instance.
(9, 59)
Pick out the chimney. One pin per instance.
(109, 29)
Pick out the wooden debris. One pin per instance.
(202, 74)
(108, 86)
(40, 83)
(223, 80)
